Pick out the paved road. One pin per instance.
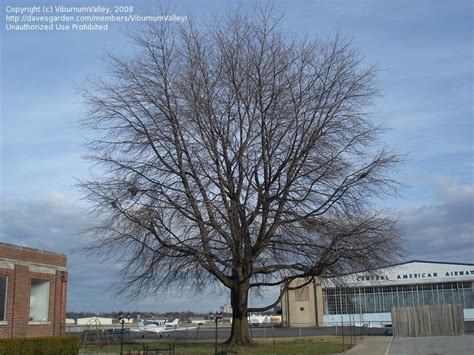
(267, 332)
(372, 346)
(264, 332)
(459, 345)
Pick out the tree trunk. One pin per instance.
(240, 326)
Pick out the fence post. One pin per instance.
(350, 329)
(342, 331)
(274, 345)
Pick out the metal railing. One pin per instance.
(350, 332)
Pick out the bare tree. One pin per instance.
(234, 154)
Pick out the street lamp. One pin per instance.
(217, 317)
(122, 322)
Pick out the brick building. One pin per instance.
(33, 285)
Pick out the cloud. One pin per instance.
(442, 230)
(46, 223)
(54, 223)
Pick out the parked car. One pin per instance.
(388, 329)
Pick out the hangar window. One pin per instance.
(39, 301)
(382, 299)
(3, 297)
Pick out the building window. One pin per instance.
(382, 299)
(3, 297)
(39, 301)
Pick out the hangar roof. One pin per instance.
(408, 262)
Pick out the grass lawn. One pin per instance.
(283, 346)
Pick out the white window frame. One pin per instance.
(41, 293)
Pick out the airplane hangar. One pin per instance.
(366, 297)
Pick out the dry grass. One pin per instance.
(281, 346)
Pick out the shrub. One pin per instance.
(65, 345)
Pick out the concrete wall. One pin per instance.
(303, 307)
(375, 319)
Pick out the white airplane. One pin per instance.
(155, 328)
(257, 319)
(155, 321)
(160, 322)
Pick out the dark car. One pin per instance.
(388, 329)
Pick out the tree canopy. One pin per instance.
(234, 153)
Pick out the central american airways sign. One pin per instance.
(415, 275)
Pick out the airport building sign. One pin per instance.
(415, 275)
(415, 271)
